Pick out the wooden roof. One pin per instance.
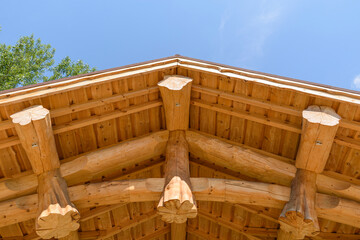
(237, 108)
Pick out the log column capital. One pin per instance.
(299, 218)
(175, 91)
(56, 216)
(177, 202)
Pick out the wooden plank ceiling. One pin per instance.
(242, 110)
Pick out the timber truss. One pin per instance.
(301, 191)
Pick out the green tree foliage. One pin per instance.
(67, 68)
(30, 61)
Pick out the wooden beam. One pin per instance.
(89, 165)
(205, 189)
(318, 132)
(259, 166)
(240, 159)
(175, 92)
(56, 216)
(298, 217)
(178, 231)
(177, 203)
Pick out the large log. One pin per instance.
(175, 92)
(318, 132)
(89, 165)
(57, 216)
(129, 152)
(299, 217)
(240, 159)
(260, 166)
(210, 148)
(177, 203)
(205, 189)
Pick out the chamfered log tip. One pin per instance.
(174, 82)
(321, 114)
(57, 222)
(29, 114)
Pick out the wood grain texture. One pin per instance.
(33, 126)
(299, 216)
(57, 216)
(177, 203)
(175, 92)
(318, 132)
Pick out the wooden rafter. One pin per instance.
(56, 216)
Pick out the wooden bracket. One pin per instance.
(177, 203)
(299, 217)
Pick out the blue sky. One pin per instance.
(317, 41)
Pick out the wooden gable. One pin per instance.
(268, 157)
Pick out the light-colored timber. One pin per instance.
(259, 166)
(178, 231)
(177, 203)
(175, 92)
(33, 126)
(249, 136)
(56, 216)
(299, 217)
(86, 167)
(204, 189)
(319, 127)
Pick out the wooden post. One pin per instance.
(299, 218)
(178, 231)
(318, 132)
(175, 91)
(177, 203)
(57, 216)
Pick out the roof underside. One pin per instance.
(247, 108)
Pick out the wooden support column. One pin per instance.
(299, 218)
(178, 231)
(57, 216)
(177, 203)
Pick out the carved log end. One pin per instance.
(294, 222)
(57, 222)
(175, 212)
